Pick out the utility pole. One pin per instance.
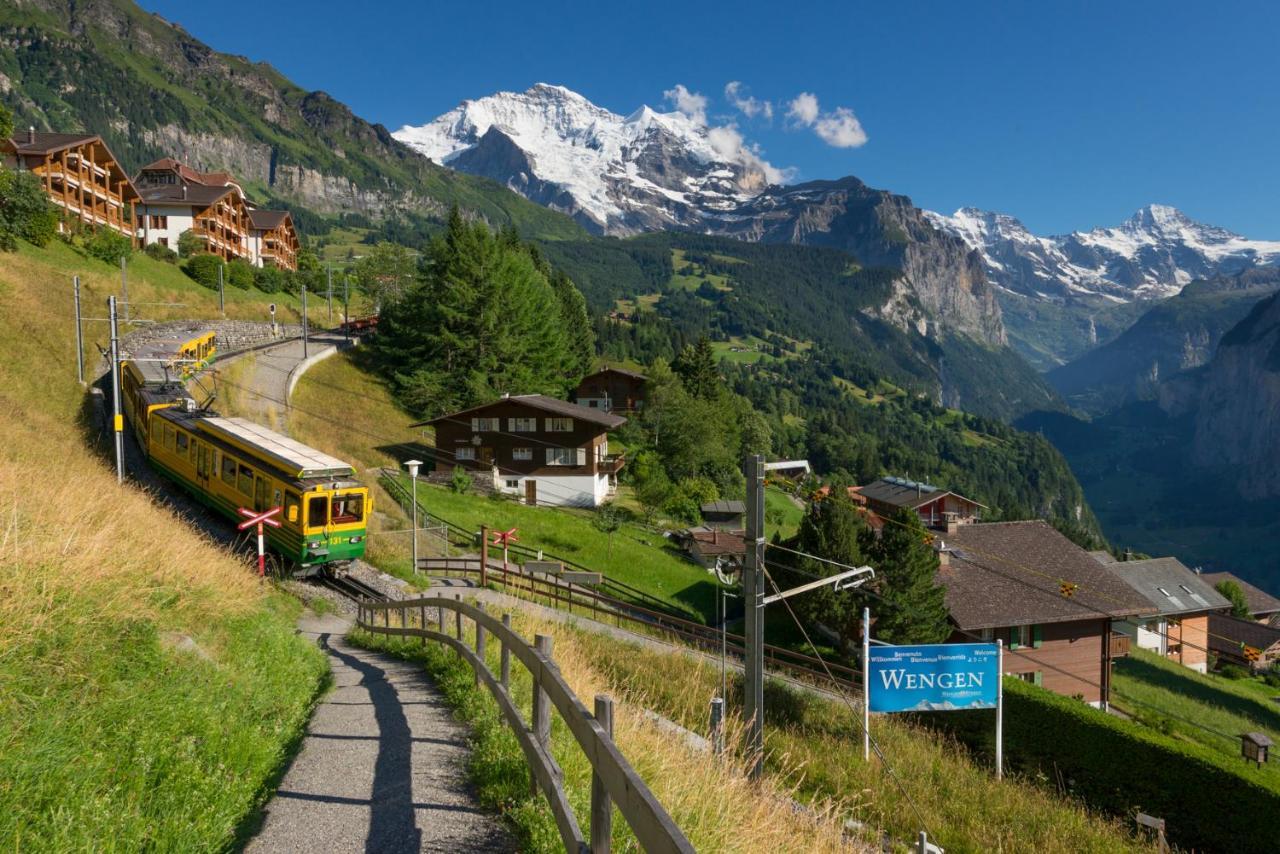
(304, 321)
(753, 601)
(79, 334)
(329, 295)
(124, 286)
(117, 420)
(346, 321)
(222, 306)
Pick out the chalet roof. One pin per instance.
(901, 492)
(635, 375)
(1103, 556)
(186, 173)
(47, 143)
(724, 507)
(197, 195)
(1169, 585)
(1010, 574)
(267, 219)
(1261, 603)
(542, 403)
(1226, 633)
(713, 542)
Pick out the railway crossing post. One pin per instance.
(117, 420)
(252, 518)
(79, 334)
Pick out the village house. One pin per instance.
(1047, 599)
(213, 206)
(707, 546)
(1248, 643)
(1179, 630)
(549, 451)
(723, 515)
(937, 508)
(612, 390)
(79, 174)
(1264, 607)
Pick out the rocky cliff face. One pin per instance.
(880, 229)
(1236, 401)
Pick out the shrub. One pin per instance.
(687, 498)
(239, 274)
(1272, 678)
(204, 269)
(1233, 671)
(269, 280)
(460, 482)
(160, 252)
(108, 246)
(25, 211)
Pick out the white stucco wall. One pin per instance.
(561, 490)
(180, 220)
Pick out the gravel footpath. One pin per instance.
(382, 767)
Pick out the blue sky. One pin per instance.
(1067, 115)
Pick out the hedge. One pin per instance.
(1210, 801)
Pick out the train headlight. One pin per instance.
(357, 539)
(313, 545)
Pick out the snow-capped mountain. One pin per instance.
(614, 174)
(1154, 253)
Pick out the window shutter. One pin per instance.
(551, 456)
(475, 425)
(582, 456)
(1038, 678)
(1035, 637)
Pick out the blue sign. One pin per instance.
(933, 677)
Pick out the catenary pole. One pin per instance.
(79, 334)
(346, 321)
(117, 419)
(753, 589)
(866, 684)
(329, 294)
(304, 321)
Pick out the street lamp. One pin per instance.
(412, 466)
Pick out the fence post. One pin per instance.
(440, 615)
(541, 703)
(404, 618)
(484, 555)
(479, 643)
(422, 621)
(505, 677)
(457, 617)
(717, 725)
(601, 805)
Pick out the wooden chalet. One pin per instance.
(1247, 643)
(724, 515)
(549, 451)
(937, 508)
(1264, 607)
(275, 240)
(1183, 601)
(708, 545)
(79, 174)
(612, 390)
(1051, 603)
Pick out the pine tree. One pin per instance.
(913, 608)
(6, 122)
(696, 366)
(1235, 595)
(833, 529)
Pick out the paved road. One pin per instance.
(268, 377)
(382, 768)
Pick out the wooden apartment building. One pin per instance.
(274, 239)
(937, 508)
(612, 389)
(79, 174)
(548, 451)
(1005, 580)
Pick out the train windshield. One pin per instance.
(348, 507)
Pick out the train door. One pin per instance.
(203, 464)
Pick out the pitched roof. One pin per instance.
(186, 173)
(1169, 585)
(635, 375)
(541, 402)
(713, 542)
(901, 492)
(724, 507)
(267, 219)
(1260, 602)
(1010, 574)
(1226, 633)
(197, 195)
(47, 143)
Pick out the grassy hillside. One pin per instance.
(152, 685)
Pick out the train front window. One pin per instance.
(317, 511)
(348, 507)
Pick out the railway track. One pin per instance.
(352, 588)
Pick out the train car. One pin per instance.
(155, 375)
(228, 463)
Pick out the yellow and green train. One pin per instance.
(229, 463)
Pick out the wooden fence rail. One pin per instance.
(614, 781)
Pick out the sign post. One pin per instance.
(866, 684)
(1000, 710)
(252, 518)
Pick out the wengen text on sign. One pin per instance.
(933, 677)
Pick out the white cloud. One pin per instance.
(692, 104)
(748, 104)
(840, 129)
(729, 145)
(803, 109)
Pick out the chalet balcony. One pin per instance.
(1121, 644)
(612, 464)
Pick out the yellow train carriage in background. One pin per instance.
(153, 378)
(228, 463)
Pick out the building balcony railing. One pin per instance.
(611, 464)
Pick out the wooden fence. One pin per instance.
(613, 781)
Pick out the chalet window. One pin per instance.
(492, 425)
(158, 221)
(522, 454)
(565, 456)
(1024, 636)
(512, 483)
(522, 425)
(559, 425)
(1035, 677)
(987, 635)
(464, 453)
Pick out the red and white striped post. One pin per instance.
(252, 518)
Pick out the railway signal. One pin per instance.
(505, 539)
(253, 517)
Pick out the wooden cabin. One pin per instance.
(548, 451)
(612, 390)
(79, 174)
(1004, 580)
(937, 508)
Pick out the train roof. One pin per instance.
(289, 455)
(144, 356)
